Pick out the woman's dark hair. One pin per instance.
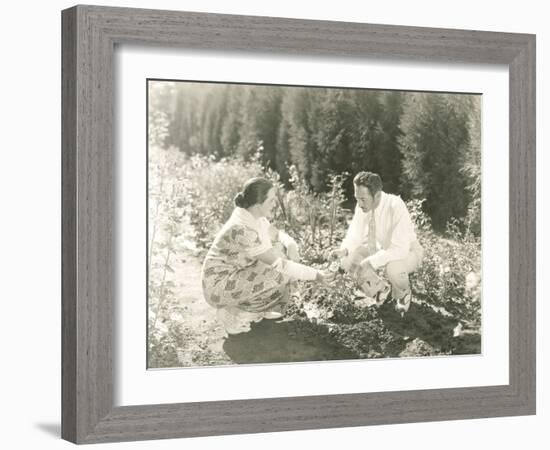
(254, 191)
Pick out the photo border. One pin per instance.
(89, 271)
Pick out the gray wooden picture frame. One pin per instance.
(89, 36)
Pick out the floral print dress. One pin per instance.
(233, 279)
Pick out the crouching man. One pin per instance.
(380, 235)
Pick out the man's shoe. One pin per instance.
(383, 295)
(403, 304)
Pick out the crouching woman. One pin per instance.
(247, 272)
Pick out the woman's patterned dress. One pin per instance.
(232, 276)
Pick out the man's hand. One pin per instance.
(366, 264)
(338, 253)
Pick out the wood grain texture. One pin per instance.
(68, 226)
(523, 224)
(88, 304)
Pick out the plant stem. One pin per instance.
(332, 213)
(154, 232)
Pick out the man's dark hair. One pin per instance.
(370, 180)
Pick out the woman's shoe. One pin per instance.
(272, 315)
(234, 321)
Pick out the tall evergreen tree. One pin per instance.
(297, 107)
(331, 135)
(433, 145)
(389, 155)
(424, 145)
(232, 121)
(472, 165)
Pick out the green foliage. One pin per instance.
(204, 143)
(435, 142)
(472, 170)
(424, 145)
(450, 275)
(209, 189)
(315, 220)
(165, 231)
(447, 286)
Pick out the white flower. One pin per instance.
(472, 280)
(457, 331)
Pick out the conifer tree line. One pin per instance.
(423, 145)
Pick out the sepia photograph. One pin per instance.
(290, 224)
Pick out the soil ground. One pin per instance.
(204, 341)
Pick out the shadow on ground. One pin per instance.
(420, 332)
(289, 341)
(53, 429)
(422, 322)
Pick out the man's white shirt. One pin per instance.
(394, 231)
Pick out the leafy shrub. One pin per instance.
(193, 197)
(450, 274)
(210, 187)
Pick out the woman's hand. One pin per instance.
(292, 252)
(279, 250)
(324, 276)
(273, 233)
